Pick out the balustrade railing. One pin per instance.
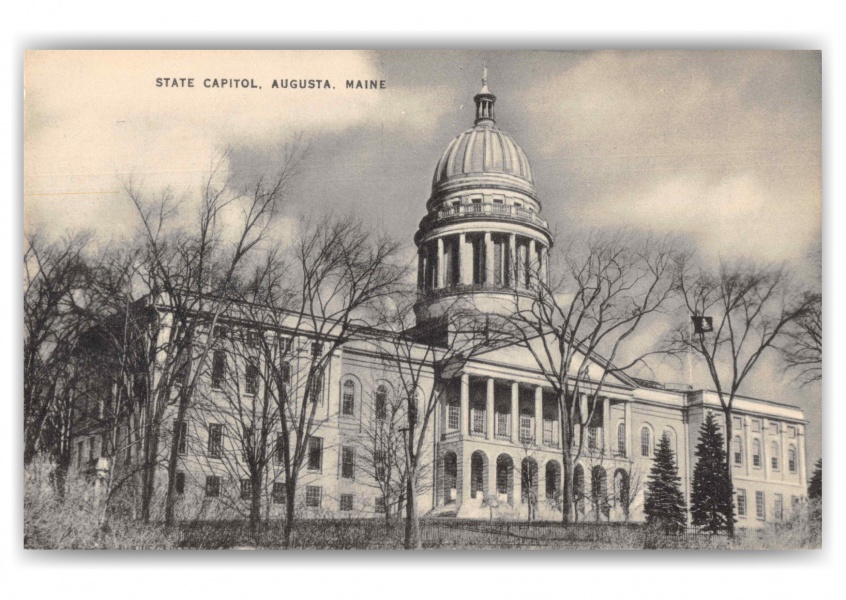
(505, 210)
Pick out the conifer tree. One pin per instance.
(711, 502)
(815, 486)
(664, 504)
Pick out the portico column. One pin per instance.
(441, 279)
(489, 409)
(512, 260)
(515, 413)
(539, 416)
(747, 441)
(800, 454)
(765, 455)
(489, 259)
(783, 451)
(606, 425)
(543, 259)
(465, 405)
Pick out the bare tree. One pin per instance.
(53, 274)
(584, 314)
(423, 358)
(750, 307)
(802, 350)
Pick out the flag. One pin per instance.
(702, 324)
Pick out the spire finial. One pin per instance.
(485, 75)
(485, 101)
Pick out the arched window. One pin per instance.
(381, 408)
(645, 442)
(621, 438)
(756, 453)
(671, 437)
(737, 450)
(774, 456)
(348, 398)
(579, 488)
(791, 459)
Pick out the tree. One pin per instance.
(750, 306)
(815, 485)
(802, 350)
(664, 505)
(711, 504)
(587, 314)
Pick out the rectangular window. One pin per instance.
(313, 493)
(592, 436)
(737, 423)
(315, 454)
(502, 425)
(218, 369)
(180, 483)
(212, 486)
(379, 505)
(317, 387)
(285, 373)
(478, 421)
(182, 442)
(346, 502)
(278, 492)
(453, 416)
(316, 349)
(791, 460)
(348, 463)
(760, 506)
(221, 332)
(526, 423)
(550, 433)
(251, 379)
(246, 489)
(253, 339)
(279, 453)
(778, 507)
(215, 440)
(741, 503)
(379, 465)
(774, 462)
(348, 399)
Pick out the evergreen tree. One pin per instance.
(815, 487)
(664, 504)
(711, 502)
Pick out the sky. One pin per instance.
(721, 146)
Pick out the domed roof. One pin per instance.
(482, 149)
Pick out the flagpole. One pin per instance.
(689, 354)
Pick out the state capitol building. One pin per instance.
(497, 420)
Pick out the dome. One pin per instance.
(484, 149)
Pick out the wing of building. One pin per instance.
(492, 447)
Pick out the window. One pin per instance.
(315, 454)
(756, 453)
(760, 506)
(348, 398)
(285, 373)
(502, 425)
(737, 450)
(381, 408)
(246, 489)
(92, 443)
(379, 505)
(79, 453)
(317, 387)
(182, 442)
(218, 369)
(478, 421)
(251, 379)
(645, 445)
(180, 483)
(592, 438)
(791, 432)
(278, 492)
(774, 456)
(497, 201)
(737, 423)
(525, 428)
(778, 507)
(212, 486)
(284, 346)
(279, 454)
(346, 502)
(316, 349)
(181, 370)
(453, 416)
(549, 433)
(756, 426)
(741, 503)
(774, 427)
(621, 438)
(215, 440)
(313, 493)
(348, 463)
(253, 339)
(791, 459)
(379, 465)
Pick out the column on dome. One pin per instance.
(533, 262)
(543, 259)
(441, 281)
(421, 267)
(465, 260)
(511, 270)
(489, 259)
